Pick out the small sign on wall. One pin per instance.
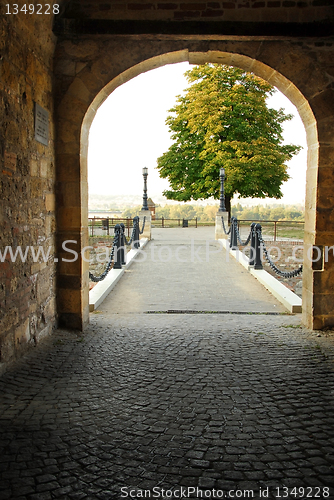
(41, 125)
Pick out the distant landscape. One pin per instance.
(205, 211)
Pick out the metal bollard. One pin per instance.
(258, 261)
(136, 243)
(234, 237)
(117, 254)
(122, 250)
(252, 245)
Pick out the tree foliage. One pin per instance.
(223, 121)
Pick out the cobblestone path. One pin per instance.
(158, 405)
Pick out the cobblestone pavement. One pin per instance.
(158, 405)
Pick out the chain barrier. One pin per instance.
(133, 234)
(284, 274)
(242, 243)
(96, 279)
(118, 242)
(226, 232)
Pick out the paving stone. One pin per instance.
(224, 400)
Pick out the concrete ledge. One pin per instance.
(290, 300)
(103, 288)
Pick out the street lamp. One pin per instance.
(222, 195)
(145, 174)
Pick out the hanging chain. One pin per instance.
(226, 232)
(242, 243)
(284, 274)
(133, 234)
(142, 229)
(96, 279)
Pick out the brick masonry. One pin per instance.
(27, 176)
(232, 10)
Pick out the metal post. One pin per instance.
(275, 231)
(117, 254)
(145, 174)
(234, 237)
(222, 194)
(252, 245)
(136, 243)
(258, 261)
(162, 221)
(122, 249)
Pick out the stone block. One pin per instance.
(325, 130)
(50, 310)
(80, 91)
(35, 188)
(37, 267)
(69, 217)
(7, 348)
(323, 304)
(66, 67)
(68, 167)
(69, 132)
(69, 268)
(10, 161)
(44, 332)
(43, 287)
(323, 103)
(50, 202)
(86, 49)
(70, 301)
(22, 333)
(44, 168)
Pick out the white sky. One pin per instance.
(129, 133)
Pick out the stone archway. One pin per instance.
(96, 72)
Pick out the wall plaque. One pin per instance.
(41, 125)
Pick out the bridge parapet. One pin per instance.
(145, 221)
(220, 233)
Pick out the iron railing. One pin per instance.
(274, 228)
(177, 222)
(104, 225)
(257, 247)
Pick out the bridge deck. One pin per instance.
(185, 269)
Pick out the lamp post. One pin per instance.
(145, 174)
(222, 195)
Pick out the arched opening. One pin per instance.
(98, 72)
(246, 63)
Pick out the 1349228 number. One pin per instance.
(30, 8)
(301, 492)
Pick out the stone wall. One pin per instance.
(230, 10)
(27, 180)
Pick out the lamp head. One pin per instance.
(145, 171)
(222, 172)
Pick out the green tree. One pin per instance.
(162, 212)
(131, 212)
(223, 121)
